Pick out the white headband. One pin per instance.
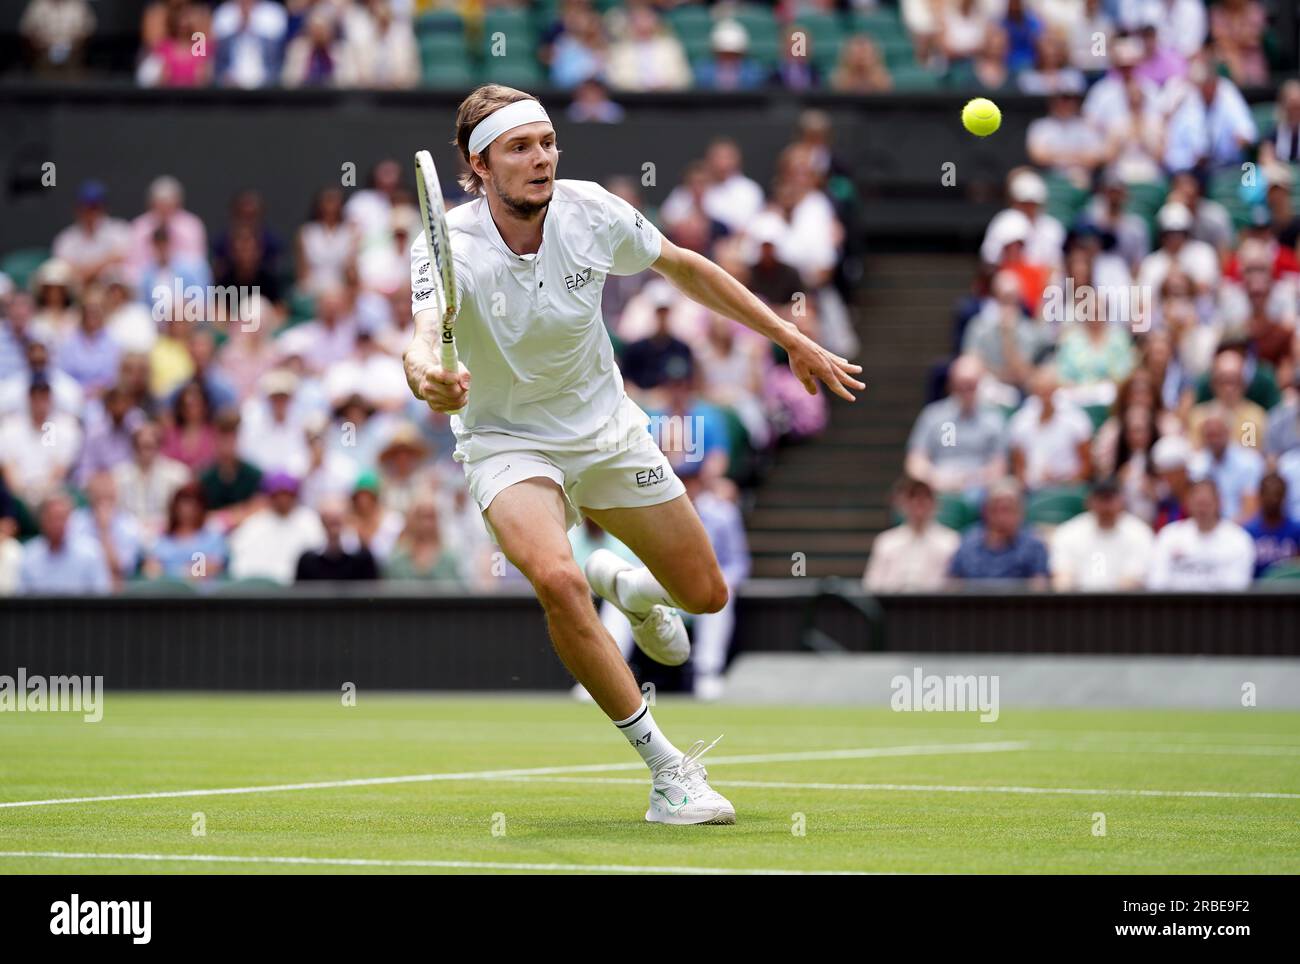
(514, 115)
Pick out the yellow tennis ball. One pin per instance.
(981, 116)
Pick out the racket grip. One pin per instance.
(450, 361)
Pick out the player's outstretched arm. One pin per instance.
(443, 391)
(704, 282)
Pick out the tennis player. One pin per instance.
(547, 434)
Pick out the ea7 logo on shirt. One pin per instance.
(648, 477)
(578, 280)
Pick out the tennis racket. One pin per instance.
(443, 269)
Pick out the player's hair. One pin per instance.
(481, 102)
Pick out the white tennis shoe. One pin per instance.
(660, 633)
(680, 793)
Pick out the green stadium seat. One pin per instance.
(256, 584)
(692, 20)
(512, 26)
(511, 71)
(897, 51)
(1263, 114)
(448, 75)
(1064, 198)
(1097, 414)
(883, 22)
(760, 22)
(1053, 506)
(446, 22)
(158, 587)
(909, 77)
(302, 307)
(20, 265)
(955, 512)
(442, 46)
(1285, 569)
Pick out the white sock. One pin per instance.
(647, 739)
(638, 590)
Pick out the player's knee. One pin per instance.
(708, 596)
(560, 584)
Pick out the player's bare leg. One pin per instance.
(528, 519)
(529, 522)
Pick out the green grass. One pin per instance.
(186, 742)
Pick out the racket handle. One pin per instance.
(450, 361)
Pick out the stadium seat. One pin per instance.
(760, 22)
(512, 71)
(693, 20)
(883, 22)
(515, 27)
(252, 584)
(1051, 507)
(302, 307)
(448, 74)
(445, 22)
(1064, 198)
(20, 265)
(442, 46)
(158, 587)
(897, 51)
(1098, 414)
(955, 512)
(1283, 569)
(908, 77)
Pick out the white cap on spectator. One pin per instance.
(278, 381)
(1009, 226)
(660, 294)
(296, 341)
(1028, 187)
(55, 272)
(1174, 217)
(1277, 175)
(1171, 452)
(729, 37)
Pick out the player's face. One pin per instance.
(523, 167)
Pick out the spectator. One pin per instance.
(269, 543)
(103, 521)
(1210, 124)
(1237, 28)
(1049, 436)
(229, 484)
(1093, 356)
(148, 481)
(1198, 260)
(271, 431)
(319, 57)
(732, 367)
(1002, 336)
(1023, 30)
(1088, 20)
(774, 281)
(1063, 141)
(11, 560)
(55, 286)
(650, 362)
(1247, 421)
(1135, 468)
(647, 57)
(66, 395)
(38, 446)
(375, 527)
(381, 46)
(861, 68)
(190, 438)
(1170, 457)
(54, 34)
(1111, 96)
(726, 532)
(247, 216)
(1202, 553)
(591, 105)
(1001, 548)
(1104, 549)
(16, 333)
(178, 55)
(371, 209)
(1211, 221)
(1052, 73)
(1027, 194)
(729, 195)
(796, 70)
(249, 36)
(958, 445)
(419, 553)
(987, 70)
(1275, 531)
(130, 324)
(1280, 142)
(580, 52)
(108, 436)
(1180, 23)
(58, 561)
(1160, 63)
(962, 28)
(912, 556)
(94, 242)
(187, 239)
(189, 549)
(169, 280)
(1235, 469)
(730, 67)
(332, 562)
(89, 354)
(326, 244)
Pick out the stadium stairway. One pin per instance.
(828, 497)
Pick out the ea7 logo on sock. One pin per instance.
(129, 917)
(642, 741)
(649, 477)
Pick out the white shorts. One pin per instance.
(617, 468)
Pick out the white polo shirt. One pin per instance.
(529, 328)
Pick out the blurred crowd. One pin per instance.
(856, 46)
(186, 402)
(1123, 407)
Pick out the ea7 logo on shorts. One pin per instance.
(578, 280)
(649, 477)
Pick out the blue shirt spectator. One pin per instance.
(1001, 548)
(60, 561)
(1275, 531)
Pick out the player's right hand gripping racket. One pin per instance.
(443, 270)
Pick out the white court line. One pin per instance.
(426, 864)
(850, 754)
(1207, 749)
(939, 788)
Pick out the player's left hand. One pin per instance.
(812, 363)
